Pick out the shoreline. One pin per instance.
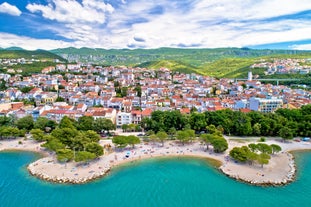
(289, 178)
(281, 169)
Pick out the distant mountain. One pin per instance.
(14, 48)
(219, 62)
(15, 52)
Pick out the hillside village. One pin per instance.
(126, 95)
(284, 66)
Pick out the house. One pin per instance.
(116, 103)
(136, 116)
(123, 118)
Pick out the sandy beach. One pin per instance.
(280, 170)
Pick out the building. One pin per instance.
(250, 76)
(123, 118)
(265, 105)
(136, 116)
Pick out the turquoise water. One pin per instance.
(157, 182)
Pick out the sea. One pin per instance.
(167, 182)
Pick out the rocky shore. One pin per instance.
(288, 178)
(68, 180)
(56, 179)
(281, 169)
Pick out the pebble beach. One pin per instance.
(280, 170)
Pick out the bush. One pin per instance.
(262, 139)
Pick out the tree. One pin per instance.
(37, 134)
(252, 157)
(4, 121)
(85, 123)
(286, 133)
(256, 129)
(123, 91)
(120, 141)
(67, 122)
(103, 124)
(54, 144)
(138, 90)
(145, 123)
(263, 159)
(220, 144)
(162, 136)
(172, 132)
(153, 138)
(41, 123)
(59, 99)
(3, 86)
(131, 127)
(83, 156)
(253, 147)
(26, 123)
(240, 153)
(12, 120)
(207, 139)
(242, 124)
(9, 132)
(26, 89)
(78, 142)
(197, 121)
(137, 128)
(94, 148)
(124, 127)
(132, 140)
(211, 129)
(65, 135)
(182, 136)
(64, 155)
(190, 134)
(275, 148)
(92, 135)
(264, 148)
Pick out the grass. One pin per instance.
(35, 67)
(170, 64)
(38, 54)
(228, 67)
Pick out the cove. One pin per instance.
(153, 182)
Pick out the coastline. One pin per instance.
(281, 169)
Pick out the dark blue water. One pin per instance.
(157, 182)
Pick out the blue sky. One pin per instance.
(50, 24)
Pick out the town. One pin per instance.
(126, 95)
(284, 66)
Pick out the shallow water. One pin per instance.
(156, 182)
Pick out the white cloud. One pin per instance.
(71, 11)
(9, 9)
(10, 40)
(300, 47)
(175, 23)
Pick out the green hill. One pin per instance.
(15, 53)
(46, 59)
(170, 64)
(219, 62)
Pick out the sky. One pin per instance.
(259, 24)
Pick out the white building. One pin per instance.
(265, 105)
(123, 118)
(250, 76)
